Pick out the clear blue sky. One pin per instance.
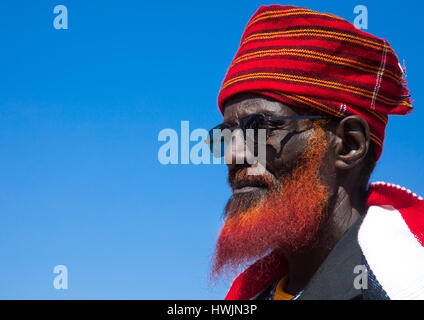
(80, 113)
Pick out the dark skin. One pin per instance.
(348, 143)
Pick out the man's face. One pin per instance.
(285, 205)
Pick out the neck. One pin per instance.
(344, 211)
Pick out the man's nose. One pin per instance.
(237, 153)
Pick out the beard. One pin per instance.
(284, 216)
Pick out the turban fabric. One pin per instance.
(318, 61)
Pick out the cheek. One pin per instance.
(281, 159)
(328, 172)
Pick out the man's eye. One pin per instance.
(253, 124)
(258, 123)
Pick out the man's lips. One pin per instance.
(247, 189)
(240, 186)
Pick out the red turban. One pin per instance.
(315, 60)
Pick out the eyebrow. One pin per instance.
(297, 117)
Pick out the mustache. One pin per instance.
(239, 178)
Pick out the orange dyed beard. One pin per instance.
(288, 216)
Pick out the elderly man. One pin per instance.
(304, 223)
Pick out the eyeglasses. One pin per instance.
(218, 135)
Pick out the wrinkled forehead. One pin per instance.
(244, 104)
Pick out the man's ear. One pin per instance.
(352, 142)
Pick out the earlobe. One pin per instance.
(352, 142)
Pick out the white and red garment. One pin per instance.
(391, 238)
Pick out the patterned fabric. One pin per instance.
(375, 291)
(391, 239)
(315, 60)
